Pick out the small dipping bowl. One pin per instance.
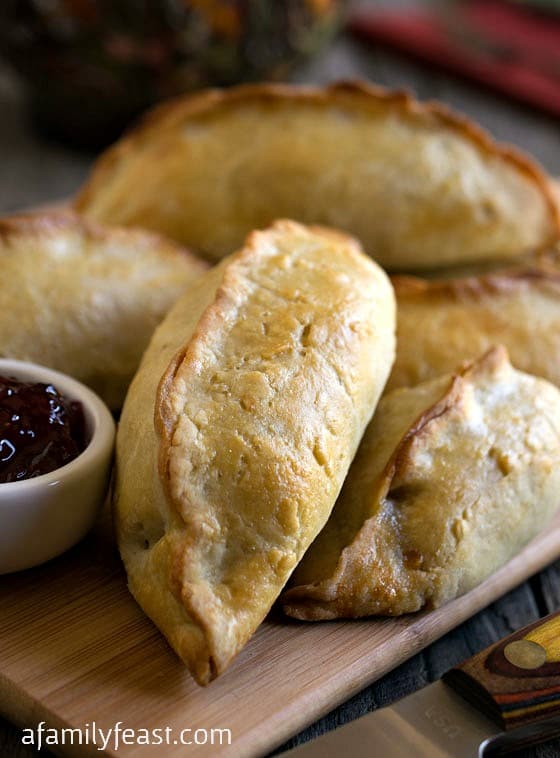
(43, 516)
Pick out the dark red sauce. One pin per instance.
(40, 430)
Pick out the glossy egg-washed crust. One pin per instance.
(85, 299)
(451, 479)
(419, 186)
(239, 428)
(443, 322)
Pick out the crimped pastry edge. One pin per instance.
(310, 602)
(169, 113)
(164, 416)
(52, 223)
(542, 269)
(165, 419)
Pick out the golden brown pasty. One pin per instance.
(261, 381)
(451, 479)
(84, 299)
(442, 322)
(419, 186)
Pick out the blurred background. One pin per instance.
(75, 73)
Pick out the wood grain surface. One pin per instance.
(35, 170)
(76, 649)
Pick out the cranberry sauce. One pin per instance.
(40, 430)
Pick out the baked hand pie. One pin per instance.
(443, 322)
(418, 185)
(451, 479)
(239, 428)
(84, 299)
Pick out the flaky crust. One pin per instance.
(239, 428)
(443, 322)
(420, 186)
(451, 479)
(85, 299)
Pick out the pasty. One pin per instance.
(418, 185)
(442, 322)
(451, 479)
(261, 381)
(83, 299)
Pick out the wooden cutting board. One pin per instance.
(75, 649)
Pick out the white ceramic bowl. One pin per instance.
(44, 516)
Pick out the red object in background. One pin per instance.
(504, 46)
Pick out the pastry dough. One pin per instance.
(83, 299)
(261, 382)
(452, 478)
(443, 322)
(419, 186)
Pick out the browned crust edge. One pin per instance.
(305, 601)
(165, 418)
(178, 109)
(50, 224)
(543, 270)
(492, 358)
